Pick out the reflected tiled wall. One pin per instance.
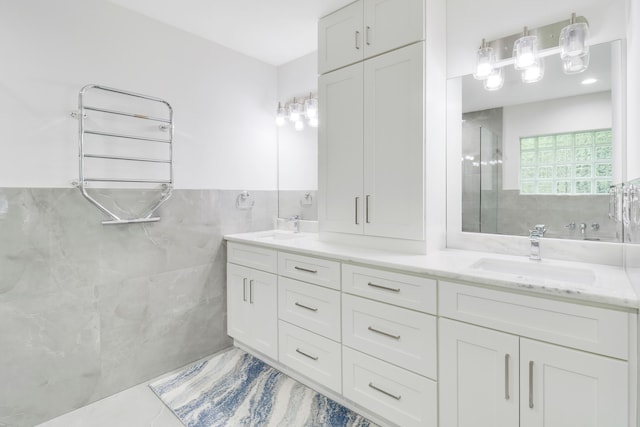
(88, 310)
(303, 203)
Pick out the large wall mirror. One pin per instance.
(544, 152)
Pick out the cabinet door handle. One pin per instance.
(366, 209)
(357, 200)
(357, 40)
(305, 354)
(378, 331)
(373, 285)
(506, 376)
(250, 291)
(306, 306)
(366, 36)
(395, 396)
(244, 289)
(531, 384)
(305, 269)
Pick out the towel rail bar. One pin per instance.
(133, 159)
(122, 113)
(167, 184)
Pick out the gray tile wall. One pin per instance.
(88, 310)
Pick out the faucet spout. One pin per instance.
(296, 222)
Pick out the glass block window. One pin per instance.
(566, 163)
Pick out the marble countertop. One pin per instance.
(594, 283)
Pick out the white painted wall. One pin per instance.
(298, 150)
(224, 101)
(469, 21)
(576, 113)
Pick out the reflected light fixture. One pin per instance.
(574, 51)
(281, 115)
(297, 110)
(589, 81)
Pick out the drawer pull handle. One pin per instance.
(506, 376)
(531, 384)
(306, 355)
(306, 306)
(378, 331)
(306, 269)
(383, 287)
(395, 396)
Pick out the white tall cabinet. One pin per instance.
(371, 146)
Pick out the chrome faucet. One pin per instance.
(534, 238)
(296, 222)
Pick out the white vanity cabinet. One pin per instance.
(252, 298)
(502, 378)
(390, 350)
(371, 146)
(367, 28)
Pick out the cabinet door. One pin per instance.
(478, 376)
(394, 144)
(389, 24)
(340, 143)
(560, 387)
(252, 308)
(340, 38)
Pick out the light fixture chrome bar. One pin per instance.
(120, 135)
(130, 221)
(548, 39)
(145, 181)
(122, 113)
(133, 159)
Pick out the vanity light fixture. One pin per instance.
(589, 81)
(485, 58)
(567, 38)
(297, 111)
(574, 50)
(525, 51)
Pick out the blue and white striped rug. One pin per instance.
(236, 389)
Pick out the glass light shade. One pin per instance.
(295, 111)
(299, 125)
(485, 59)
(495, 80)
(313, 122)
(576, 64)
(311, 107)
(534, 73)
(573, 40)
(281, 114)
(525, 52)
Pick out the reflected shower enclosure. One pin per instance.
(481, 170)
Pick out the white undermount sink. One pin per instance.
(536, 270)
(278, 235)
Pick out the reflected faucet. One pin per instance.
(534, 238)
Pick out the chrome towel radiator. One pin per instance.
(165, 125)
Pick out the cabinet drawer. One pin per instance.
(593, 329)
(309, 306)
(403, 337)
(314, 356)
(253, 256)
(309, 269)
(417, 293)
(400, 396)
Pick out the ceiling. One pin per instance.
(273, 31)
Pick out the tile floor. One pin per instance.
(134, 407)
